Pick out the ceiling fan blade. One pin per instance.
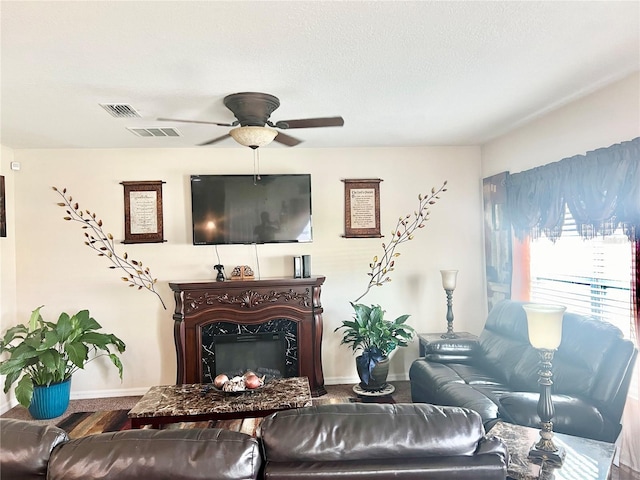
(215, 140)
(287, 140)
(311, 122)
(194, 121)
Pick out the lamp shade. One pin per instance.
(544, 325)
(449, 279)
(253, 137)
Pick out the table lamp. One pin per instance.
(545, 333)
(449, 285)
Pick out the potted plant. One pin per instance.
(376, 337)
(42, 357)
(369, 331)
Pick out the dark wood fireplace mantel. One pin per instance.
(249, 302)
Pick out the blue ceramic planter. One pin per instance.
(50, 402)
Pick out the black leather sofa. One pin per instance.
(345, 441)
(380, 441)
(496, 375)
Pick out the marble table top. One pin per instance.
(586, 459)
(203, 399)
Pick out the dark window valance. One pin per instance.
(601, 190)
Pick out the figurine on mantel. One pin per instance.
(220, 277)
(242, 272)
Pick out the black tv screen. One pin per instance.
(243, 209)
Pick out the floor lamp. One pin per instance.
(544, 324)
(449, 284)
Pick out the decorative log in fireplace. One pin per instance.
(204, 309)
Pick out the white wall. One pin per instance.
(608, 116)
(7, 260)
(55, 268)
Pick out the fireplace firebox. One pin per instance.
(273, 325)
(235, 354)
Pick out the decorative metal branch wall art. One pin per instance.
(405, 229)
(137, 275)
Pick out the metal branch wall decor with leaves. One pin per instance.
(404, 231)
(137, 275)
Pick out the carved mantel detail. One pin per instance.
(246, 299)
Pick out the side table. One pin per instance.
(586, 459)
(428, 338)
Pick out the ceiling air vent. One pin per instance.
(120, 110)
(154, 132)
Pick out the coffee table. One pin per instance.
(586, 459)
(198, 402)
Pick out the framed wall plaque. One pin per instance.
(143, 212)
(362, 208)
(3, 209)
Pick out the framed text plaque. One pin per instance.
(362, 208)
(143, 212)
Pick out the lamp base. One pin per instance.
(553, 458)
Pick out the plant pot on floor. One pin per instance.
(50, 401)
(373, 377)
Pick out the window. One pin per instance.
(590, 277)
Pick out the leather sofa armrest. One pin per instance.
(493, 445)
(26, 448)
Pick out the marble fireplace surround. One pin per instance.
(255, 306)
(289, 349)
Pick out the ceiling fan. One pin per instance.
(253, 127)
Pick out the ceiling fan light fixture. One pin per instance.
(253, 136)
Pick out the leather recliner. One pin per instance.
(497, 377)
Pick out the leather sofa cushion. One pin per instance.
(369, 432)
(173, 454)
(31, 445)
(572, 415)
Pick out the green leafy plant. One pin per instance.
(42, 353)
(375, 336)
(96, 239)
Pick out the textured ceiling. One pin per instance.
(400, 73)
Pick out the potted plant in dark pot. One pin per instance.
(369, 331)
(42, 357)
(376, 337)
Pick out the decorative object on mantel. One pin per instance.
(362, 208)
(242, 272)
(220, 276)
(143, 221)
(544, 323)
(369, 331)
(449, 285)
(103, 244)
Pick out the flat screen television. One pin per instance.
(243, 209)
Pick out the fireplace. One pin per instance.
(267, 348)
(223, 327)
